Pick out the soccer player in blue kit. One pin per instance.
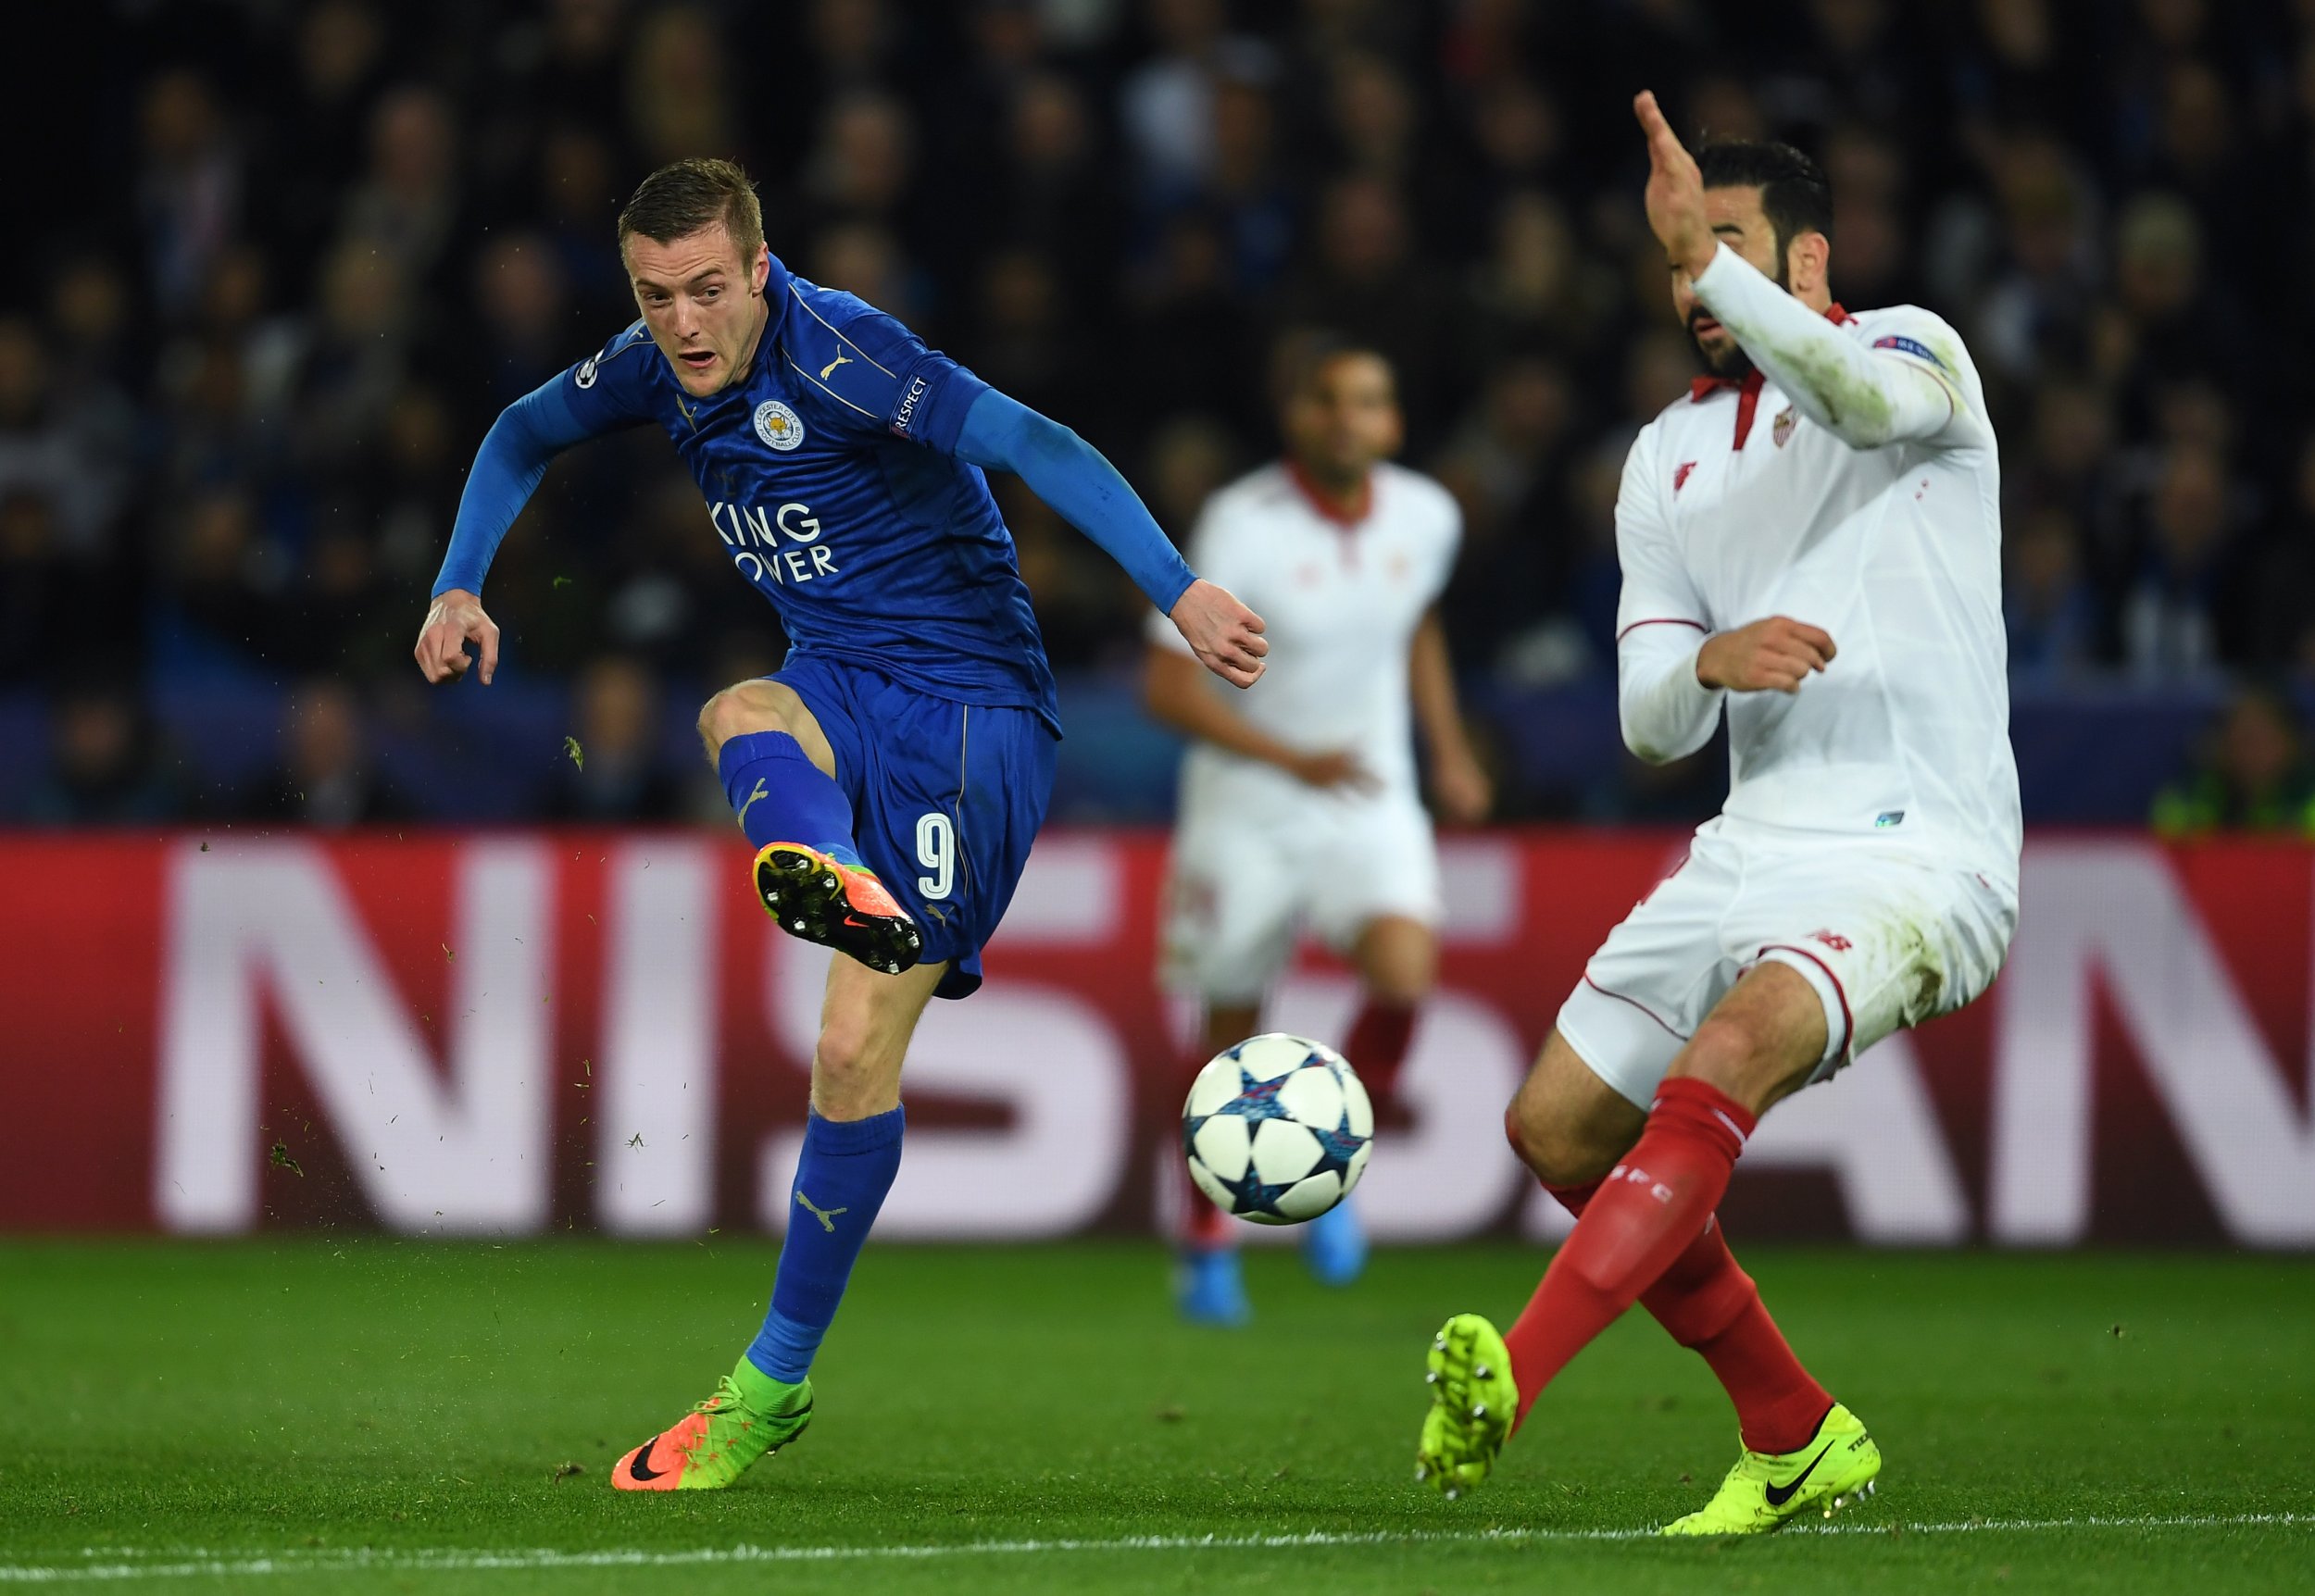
(895, 771)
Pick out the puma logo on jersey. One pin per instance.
(1679, 476)
(839, 360)
(827, 1216)
(1838, 944)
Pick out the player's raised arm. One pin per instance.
(1864, 396)
(1089, 492)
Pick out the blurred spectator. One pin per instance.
(676, 87)
(407, 209)
(1368, 282)
(525, 329)
(53, 608)
(222, 580)
(2282, 611)
(1190, 325)
(326, 779)
(617, 773)
(2174, 615)
(2050, 607)
(75, 456)
(189, 197)
(240, 389)
(1167, 103)
(107, 766)
(2252, 775)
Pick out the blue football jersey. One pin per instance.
(831, 475)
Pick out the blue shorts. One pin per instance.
(947, 798)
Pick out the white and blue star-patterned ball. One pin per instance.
(1277, 1130)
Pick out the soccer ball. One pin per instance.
(1277, 1130)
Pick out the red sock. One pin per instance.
(1649, 1211)
(1377, 1045)
(1706, 1301)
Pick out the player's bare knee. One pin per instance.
(1731, 1052)
(849, 1078)
(1397, 961)
(1399, 987)
(739, 709)
(1558, 1152)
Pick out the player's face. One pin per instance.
(1739, 222)
(1344, 419)
(704, 305)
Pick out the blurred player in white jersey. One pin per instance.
(1299, 800)
(1810, 539)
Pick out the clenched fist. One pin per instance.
(1224, 634)
(1777, 655)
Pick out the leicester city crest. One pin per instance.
(778, 426)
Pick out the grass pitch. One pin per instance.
(372, 1415)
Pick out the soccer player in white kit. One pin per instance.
(1299, 800)
(1810, 539)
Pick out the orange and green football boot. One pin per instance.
(750, 1415)
(823, 900)
(1766, 1490)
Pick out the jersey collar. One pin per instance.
(1747, 387)
(1323, 508)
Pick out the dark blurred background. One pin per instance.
(276, 266)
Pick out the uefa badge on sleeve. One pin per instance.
(778, 427)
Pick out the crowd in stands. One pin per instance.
(313, 248)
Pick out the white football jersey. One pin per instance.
(1340, 604)
(1857, 498)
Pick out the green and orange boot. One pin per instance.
(823, 900)
(750, 1415)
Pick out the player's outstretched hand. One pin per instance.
(1675, 191)
(457, 616)
(1778, 654)
(1224, 634)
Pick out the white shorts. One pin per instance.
(1240, 889)
(1888, 939)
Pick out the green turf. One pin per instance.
(187, 1406)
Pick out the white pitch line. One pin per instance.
(193, 1565)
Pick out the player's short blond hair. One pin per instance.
(684, 196)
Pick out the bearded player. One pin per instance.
(894, 772)
(1300, 803)
(1810, 539)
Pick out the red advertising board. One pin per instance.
(508, 1032)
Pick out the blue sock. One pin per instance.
(781, 796)
(840, 1183)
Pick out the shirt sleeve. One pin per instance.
(1661, 622)
(1906, 388)
(1077, 481)
(878, 378)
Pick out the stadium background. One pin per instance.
(278, 264)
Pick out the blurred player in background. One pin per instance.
(1813, 540)
(895, 771)
(1300, 802)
